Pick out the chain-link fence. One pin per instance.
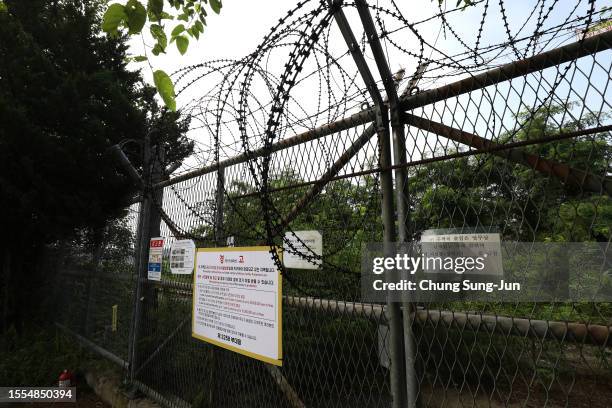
(511, 137)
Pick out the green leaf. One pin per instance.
(193, 31)
(177, 30)
(157, 50)
(140, 58)
(166, 16)
(113, 17)
(199, 26)
(156, 30)
(158, 34)
(182, 43)
(216, 5)
(137, 16)
(155, 9)
(3, 6)
(165, 88)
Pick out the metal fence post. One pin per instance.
(405, 235)
(141, 254)
(140, 248)
(401, 187)
(397, 370)
(149, 221)
(394, 312)
(403, 216)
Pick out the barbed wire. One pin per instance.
(301, 75)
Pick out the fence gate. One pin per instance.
(353, 119)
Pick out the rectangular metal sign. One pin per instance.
(303, 249)
(182, 257)
(237, 301)
(154, 268)
(448, 243)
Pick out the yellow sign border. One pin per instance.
(278, 361)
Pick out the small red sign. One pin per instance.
(157, 243)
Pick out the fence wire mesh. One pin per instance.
(507, 129)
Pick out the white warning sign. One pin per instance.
(237, 301)
(451, 244)
(303, 249)
(182, 256)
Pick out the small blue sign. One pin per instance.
(154, 267)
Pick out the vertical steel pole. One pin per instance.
(149, 298)
(142, 254)
(149, 226)
(401, 186)
(142, 215)
(397, 370)
(394, 312)
(404, 235)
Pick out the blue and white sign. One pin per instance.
(154, 269)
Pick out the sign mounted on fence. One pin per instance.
(182, 255)
(452, 243)
(156, 250)
(237, 301)
(299, 244)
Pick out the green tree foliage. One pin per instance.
(182, 19)
(524, 204)
(65, 98)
